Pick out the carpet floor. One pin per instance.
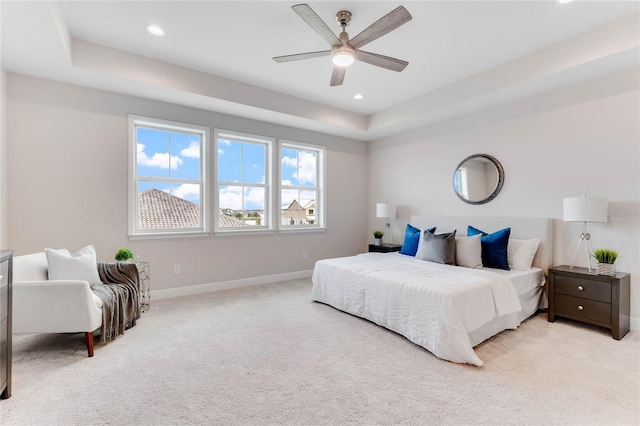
(268, 355)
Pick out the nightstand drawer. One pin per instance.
(578, 287)
(583, 308)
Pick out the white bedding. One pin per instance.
(433, 305)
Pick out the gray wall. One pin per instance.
(67, 186)
(583, 139)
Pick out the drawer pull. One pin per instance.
(580, 288)
(580, 307)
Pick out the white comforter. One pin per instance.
(433, 305)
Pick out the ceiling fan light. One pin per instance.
(156, 30)
(343, 58)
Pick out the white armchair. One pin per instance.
(56, 306)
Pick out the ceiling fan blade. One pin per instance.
(387, 62)
(382, 26)
(300, 56)
(337, 75)
(314, 21)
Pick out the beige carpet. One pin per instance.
(268, 355)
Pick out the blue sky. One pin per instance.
(164, 154)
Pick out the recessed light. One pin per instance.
(358, 96)
(564, 1)
(156, 30)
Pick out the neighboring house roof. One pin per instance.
(158, 209)
(294, 211)
(230, 222)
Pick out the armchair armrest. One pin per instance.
(56, 306)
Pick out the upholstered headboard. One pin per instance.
(521, 228)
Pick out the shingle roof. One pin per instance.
(158, 209)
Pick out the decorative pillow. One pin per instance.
(412, 239)
(494, 247)
(438, 248)
(81, 265)
(520, 253)
(469, 251)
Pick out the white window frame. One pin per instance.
(268, 225)
(135, 232)
(320, 209)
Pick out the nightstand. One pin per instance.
(384, 248)
(601, 300)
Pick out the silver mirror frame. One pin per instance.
(499, 184)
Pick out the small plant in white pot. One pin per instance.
(124, 255)
(377, 238)
(606, 261)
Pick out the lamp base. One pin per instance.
(585, 238)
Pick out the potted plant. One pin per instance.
(124, 255)
(377, 238)
(606, 261)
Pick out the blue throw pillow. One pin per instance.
(411, 240)
(494, 247)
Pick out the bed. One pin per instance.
(446, 309)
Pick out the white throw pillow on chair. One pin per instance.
(81, 265)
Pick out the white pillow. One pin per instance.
(469, 251)
(81, 265)
(520, 253)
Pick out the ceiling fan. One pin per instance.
(345, 51)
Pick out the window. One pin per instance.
(168, 193)
(243, 182)
(301, 185)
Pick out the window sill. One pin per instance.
(299, 230)
(247, 232)
(157, 236)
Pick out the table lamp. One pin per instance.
(585, 209)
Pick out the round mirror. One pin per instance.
(478, 179)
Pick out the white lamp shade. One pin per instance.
(385, 210)
(585, 209)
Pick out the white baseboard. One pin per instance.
(634, 324)
(226, 285)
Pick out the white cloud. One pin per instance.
(288, 161)
(230, 197)
(220, 151)
(159, 159)
(193, 151)
(306, 167)
(188, 191)
(224, 141)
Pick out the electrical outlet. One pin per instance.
(176, 269)
(305, 256)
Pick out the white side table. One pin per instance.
(145, 285)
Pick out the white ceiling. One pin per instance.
(463, 56)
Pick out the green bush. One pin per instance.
(605, 255)
(123, 255)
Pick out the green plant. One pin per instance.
(378, 234)
(123, 255)
(605, 255)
